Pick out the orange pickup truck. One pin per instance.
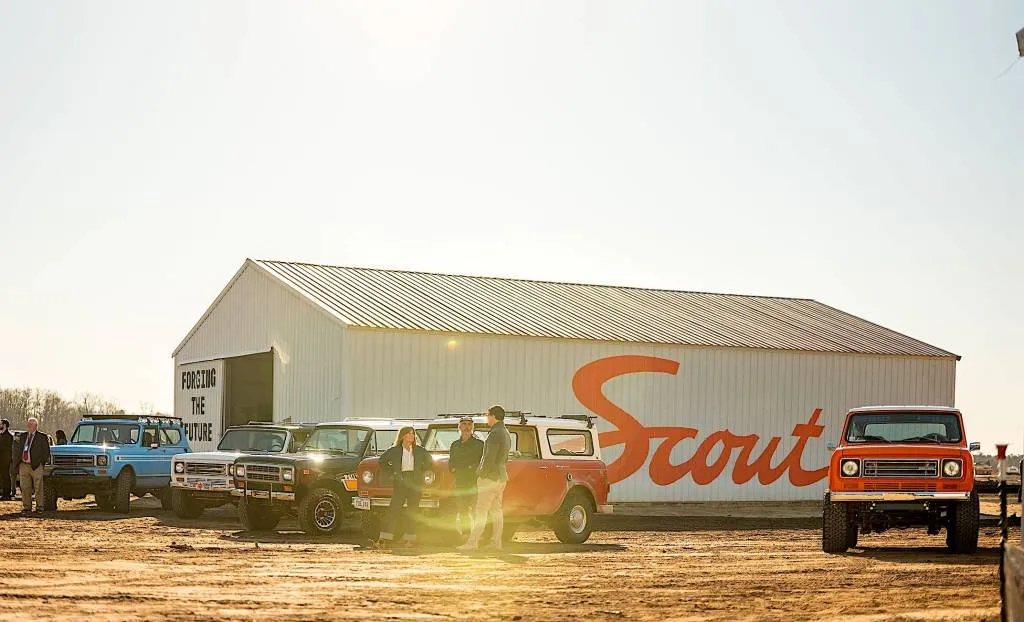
(898, 467)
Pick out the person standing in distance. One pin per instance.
(491, 483)
(6, 449)
(35, 451)
(463, 461)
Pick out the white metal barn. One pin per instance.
(699, 396)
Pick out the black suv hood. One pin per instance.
(319, 461)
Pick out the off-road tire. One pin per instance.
(321, 512)
(123, 492)
(49, 498)
(183, 505)
(834, 527)
(574, 521)
(166, 502)
(962, 532)
(257, 517)
(105, 503)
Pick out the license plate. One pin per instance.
(259, 494)
(361, 503)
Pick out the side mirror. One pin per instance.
(975, 446)
(831, 445)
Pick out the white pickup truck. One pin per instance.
(203, 480)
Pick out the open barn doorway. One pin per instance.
(249, 390)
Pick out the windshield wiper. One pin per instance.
(871, 437)
(921, 438)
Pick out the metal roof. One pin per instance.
(400, 300)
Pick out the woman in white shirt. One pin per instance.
(407, 463)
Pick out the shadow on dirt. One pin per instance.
(926, 555)
(285, 536)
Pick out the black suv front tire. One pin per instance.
(321, 512)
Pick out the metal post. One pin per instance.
(1001, 456)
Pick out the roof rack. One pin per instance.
(588, 419)
(303, 424)
(518, 413)
(139, 418)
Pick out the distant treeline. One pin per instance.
(54, 412)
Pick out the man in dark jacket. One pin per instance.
(34, 448)
(407, 463)
(6, 457)
(463, 461)
(491, 483)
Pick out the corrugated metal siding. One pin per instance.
(747, 391)
(390, 299)
(256, 314)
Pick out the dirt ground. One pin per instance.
(150, 565)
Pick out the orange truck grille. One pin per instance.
(901, 468)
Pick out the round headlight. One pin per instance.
(367, 477)
(102, 460)
(239, 470)
(287, 475)
(951, 468)
(429, 477)
(850, 468)
(179, 467)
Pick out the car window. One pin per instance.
(149, 436)
(170, 436)
(441, 438)
(904, 427)
(524, 442)
(105, 434)
(340, 439)
(253, 439)
(570, 443)
(298, 438)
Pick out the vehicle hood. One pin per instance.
(318, 461)
(222, 457)
(70, 450)
(906, 450)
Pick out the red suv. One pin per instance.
(555, 476)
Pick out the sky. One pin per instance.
(866, 154)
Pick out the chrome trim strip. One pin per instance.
(899, 496)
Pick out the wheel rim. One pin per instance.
(324, 514)
(577, 519)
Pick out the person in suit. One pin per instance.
(34, 448)
(6, 455)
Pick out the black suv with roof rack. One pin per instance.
(202, 480)
(316, 483)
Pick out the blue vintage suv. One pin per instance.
(113, 457)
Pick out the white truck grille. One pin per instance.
(200, 468)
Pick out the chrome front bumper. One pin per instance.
(899, 496)
(365, 503)
(264, 494)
